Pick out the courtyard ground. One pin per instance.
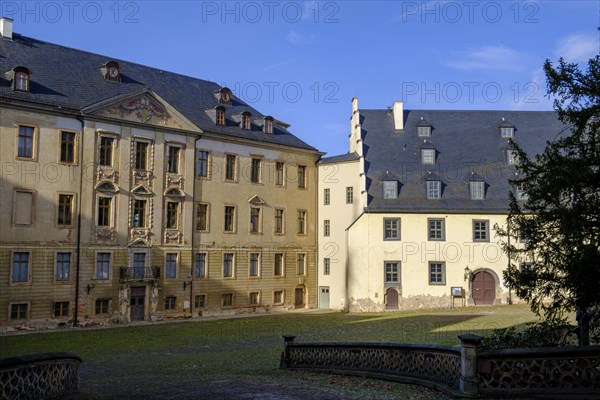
(238, 358)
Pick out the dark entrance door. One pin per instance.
(299, 300)
(484, 288)
(137, 302)
(391, 299)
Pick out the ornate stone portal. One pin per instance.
(124, 316)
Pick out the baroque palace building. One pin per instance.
(407, 216)
(132, 193)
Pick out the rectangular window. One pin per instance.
(202, 217)
(434, 189)
(229, 224)
(301, 177)
(477, 190)
(105, 151)
(507, 132)
(227, 300)
(278, 297)
(436, 229)
(173, 159)
(20, 269)
(20, 272)
(326, 227)
(520, 193)
(326, 266)
(391, 229)
(139, 213)
(228, 265)
(301, 222)
(427, 156)
(101, 306)
(254, 220)
(279, 221)
(481, 231)
(67, 147)
(254, 264)
(26, 139)
(301, 264)
(326, 196)
(511, 157)
(171, 265)
(102, 266)
(230, 167)
(254, 298)
(61, 309)
(23, 207)
(392, 272)
(279, 173)
(170, 303)
(349, 195)
(19, 311)
(172, 211)
(104, 211)
(141, 155)
(63, 267)
(255, 170)
(424, 131)
(200, 301)
(203, 164)
(65, 210)
(139, 265)
(278, 267)
(200, 265)
(390, 189)
(437, 273)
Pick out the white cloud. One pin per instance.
(277, 65)
(487, 58)
(298, 39)
(577, 48)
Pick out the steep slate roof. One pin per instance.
(71, 79)
(340, 158)
(468, 147)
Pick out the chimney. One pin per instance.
(398, 115)
(6, 28)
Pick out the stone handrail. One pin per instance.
(39, 376)
(433, 366)
(465, 371)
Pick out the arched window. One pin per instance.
(246, 120)
(269, 125)
(21, 79)
(220, 115)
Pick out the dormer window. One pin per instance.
(246, 120)
(390, 189)
(424, 131)
(21, 79)
(220, 119)
(507, 131)
(269, 125)
(477, 189)
(511, 157)
(434, 189)
(428, 156)
(225, 95)
(111, 71)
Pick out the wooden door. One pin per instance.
(299, 300)
(484, 288)
(137, 303)
(391, 299)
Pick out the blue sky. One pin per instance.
(303, 61)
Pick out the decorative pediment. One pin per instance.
(106, 186)
(257, 201)
(140, 242)
(174, 192)
(144, 107)
(142, 190)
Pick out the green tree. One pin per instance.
(557, 226)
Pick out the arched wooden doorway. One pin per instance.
(483, 288)
(391, 299)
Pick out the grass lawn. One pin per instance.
(239, 357)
